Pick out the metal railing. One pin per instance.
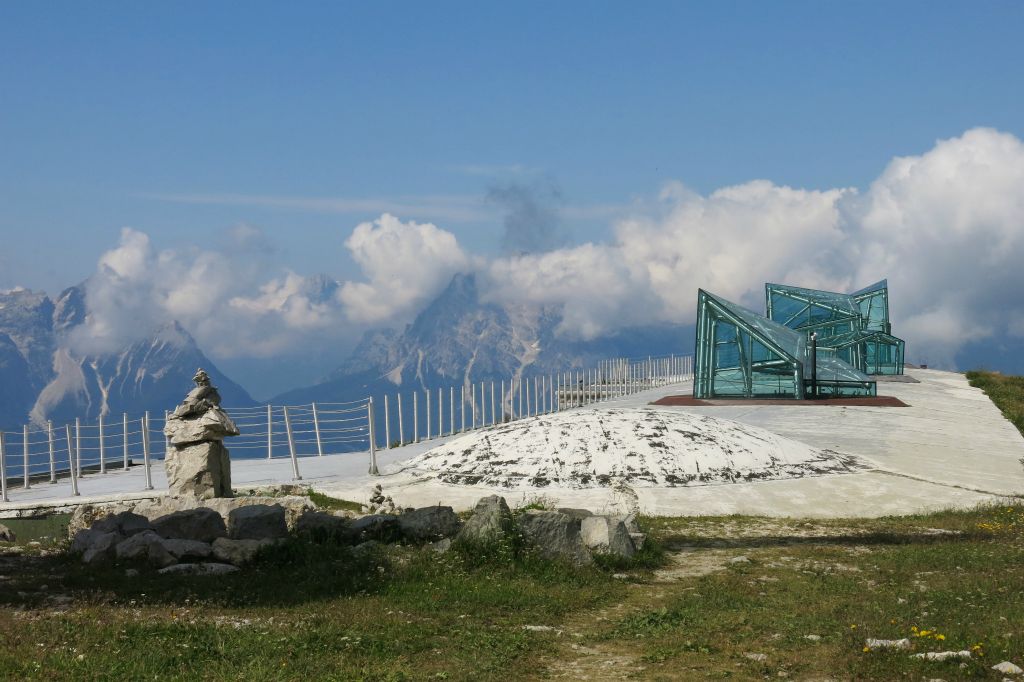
(46, 454)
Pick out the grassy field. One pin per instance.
(1007, 392)
(732, 597)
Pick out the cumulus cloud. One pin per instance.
(406, 264)
(946, 227)
(222, 300)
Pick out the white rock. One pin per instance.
(606, 535)
(739, 560)
(813, 638)
(760, 658)
(888, 643)
(1007, 668)
(942, 655)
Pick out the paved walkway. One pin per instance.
(950, 447)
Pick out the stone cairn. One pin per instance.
(198, 464)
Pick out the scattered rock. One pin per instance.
(887, 643)
(1007, 668)
(541, 628)
(760, 658)
(145, 546)
(198, 569)
(321, 526)
(364, 548)
(185, 550)
(101, 549)
(238, 552)
(942, 655)
(379, 527)
(429, 524)
(84, 539)
(491, 520)
(813, 638)
(579, 514)
(131, 572)
(606, 535)
(199, 524)
(6, 534)
(257, 522)
(556, 535)
(124, 523)
(441, 546)
(741, 559)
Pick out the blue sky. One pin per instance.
(112, 109)
(637, 131)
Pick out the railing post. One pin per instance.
(472, 406)
(451, 410)
(440, 412)
(270, 431)
(71, 460)
(372, 433)
(124, 439)
(145, 451)
(167, 439)
(78, 446)
(401, 424)
(53, 462)
(462, 407)
(316, 429)
(25, 483)
(520, 410)
(3, 468)
(415, 417)
(494, 419)
(502, 401)
(387, 424)
(291, 445)
(427, 420)
(103, 451)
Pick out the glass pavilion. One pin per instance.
(743, 354)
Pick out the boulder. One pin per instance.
(188, 550)
(257, 522)
(238, 552)
(491, 520)
(124, 523)
(199, 470)
(86, 538)
(321, 526)
(200, 524)
(101, 548)
(294, 505)
(6, 534)
(378, 527)
(607, 535)
(556, 536)
(428, 524)
(145, 546)
(212, 425)
(198, 569)
(575, 513)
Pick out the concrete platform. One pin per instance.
(950, 447)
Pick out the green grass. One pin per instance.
(310, 611)
(1007, 392)
(333, 503)
(47, 530)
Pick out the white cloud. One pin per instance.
(406, 264)
(945, 227)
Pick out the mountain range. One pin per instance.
(457, 339)
(42, 377)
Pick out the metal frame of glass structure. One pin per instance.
(741, 354)
(852, 327)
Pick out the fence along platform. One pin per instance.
(48, 454)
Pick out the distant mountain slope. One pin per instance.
(42, 378)
(458, 339)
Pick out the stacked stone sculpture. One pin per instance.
(198, 464)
